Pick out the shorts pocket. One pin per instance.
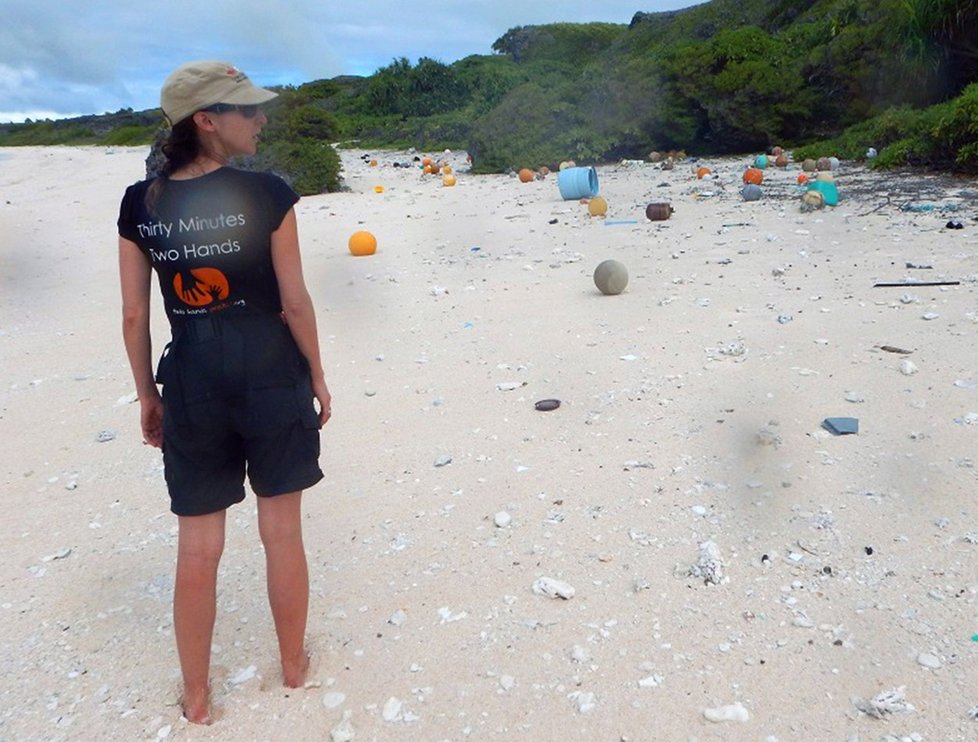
(276, 408)
(307, 408)
(165, 367)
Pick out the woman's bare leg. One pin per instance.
(280, 526)
(199, 551)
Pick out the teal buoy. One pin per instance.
(828, 190)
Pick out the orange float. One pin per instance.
(754, 176)
(373, 163)
(446, 169)
(362, 243)
(597, 206)
(802, 178)
(526, 175)
(703, 172)
(448, 180)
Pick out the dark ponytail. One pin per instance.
(180, 148)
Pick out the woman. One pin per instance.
(243, 368)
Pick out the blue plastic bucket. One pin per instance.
(577, 182)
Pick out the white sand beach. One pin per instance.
(738, 571)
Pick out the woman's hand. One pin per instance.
(322, 395)
(151, 420)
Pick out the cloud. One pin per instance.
(102, 55)
(55, 41)
(25, 93)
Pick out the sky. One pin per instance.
(62, 58)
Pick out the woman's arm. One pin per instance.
(297, 306)
(135, 273)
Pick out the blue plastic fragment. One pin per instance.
(841, 425)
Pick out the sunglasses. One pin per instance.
(248, 111)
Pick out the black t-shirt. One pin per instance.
(209, 240)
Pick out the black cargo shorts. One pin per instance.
(237, 400)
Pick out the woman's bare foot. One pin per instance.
(294, 671)
(196, 706)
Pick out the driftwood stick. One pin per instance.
(882, 205)
(890, 284)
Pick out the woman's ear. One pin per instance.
(204, 121)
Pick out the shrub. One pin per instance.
(943, 136)
(747, 87)
(38, 133)
(311, 122)
(899, 124)
(309, 166)
(130, 136)
(956, 132)
(534, 126)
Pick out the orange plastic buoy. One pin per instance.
(446, 169)
(427, 169)
(362, 243)
(378, 189)
(754, 175)
(703, 172)
(526, 175)
(448, 180)
(802, 178)
(597, 206)
(425, 160)
(373, 163)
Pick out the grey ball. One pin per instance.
(611, 277)
(751, 192)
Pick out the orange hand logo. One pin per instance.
(203, 286)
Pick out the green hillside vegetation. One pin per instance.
(727, 76)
